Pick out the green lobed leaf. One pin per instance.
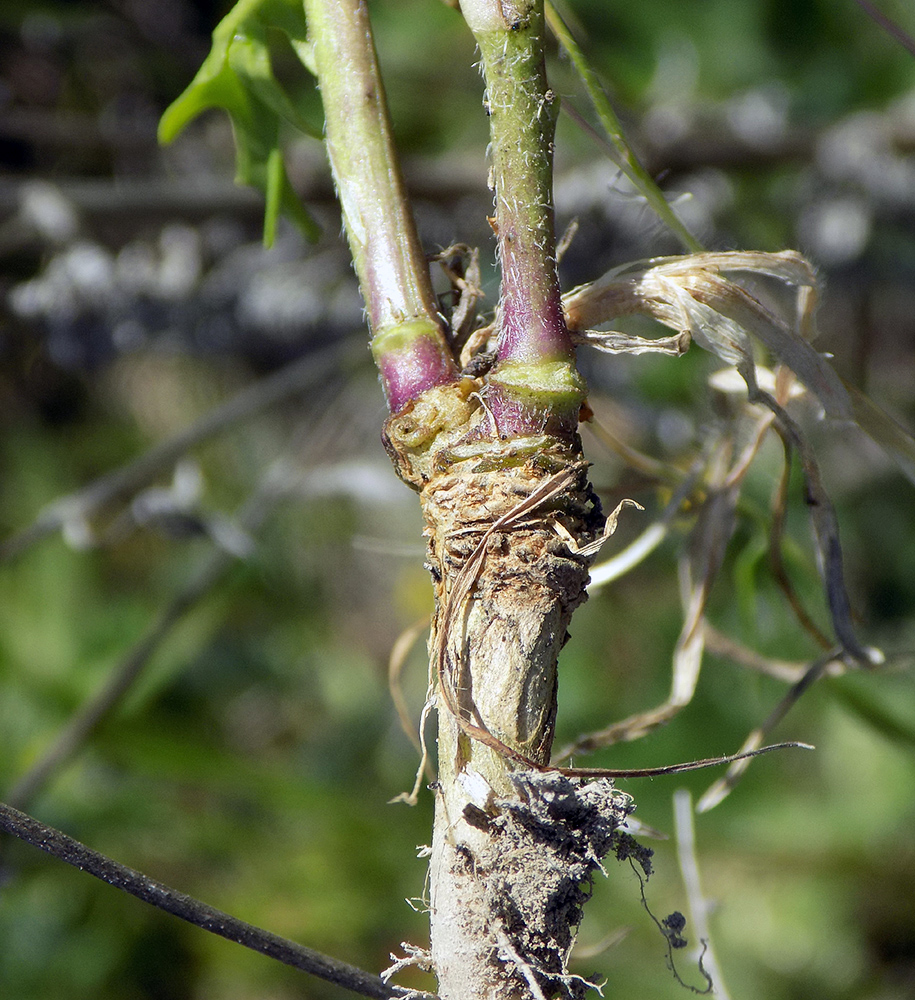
(237, 76)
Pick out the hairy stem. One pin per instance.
(408, 342)
(507, 510)
(535, 384)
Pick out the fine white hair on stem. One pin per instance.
(697, 904)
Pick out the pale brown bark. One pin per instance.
(513, 848)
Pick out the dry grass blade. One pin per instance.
(737, 306)
(723, 646)
(826, 530)
(689, 294)
(776, 563)
(644, 464)
(630, 557)
(698, 572)
(894, 439)
(399, 653)
(699, 906)
(722, 788)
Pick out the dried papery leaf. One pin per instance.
(689, 294)
(687, 659)
(614, 342)
(826, 532)
(614, 293)
(787, 265)
(592, 548)
(601, 301)
(738, 306)
(897, 442)
(673, 301)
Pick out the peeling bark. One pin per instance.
(513, 848)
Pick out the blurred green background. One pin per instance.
(253, 762)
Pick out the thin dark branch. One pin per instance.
(163, 897)
(123, 677)
(893, 29)
(276, 484)
(300, 376)
(81, 725)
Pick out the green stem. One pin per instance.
(407, 338)
(535, 385)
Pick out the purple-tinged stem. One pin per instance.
(535, 383)
(408, 342)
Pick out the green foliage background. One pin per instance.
(254, 763)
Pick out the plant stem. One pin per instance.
(535, 385)
(496, 468)
(157, 894)
(408, 342)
